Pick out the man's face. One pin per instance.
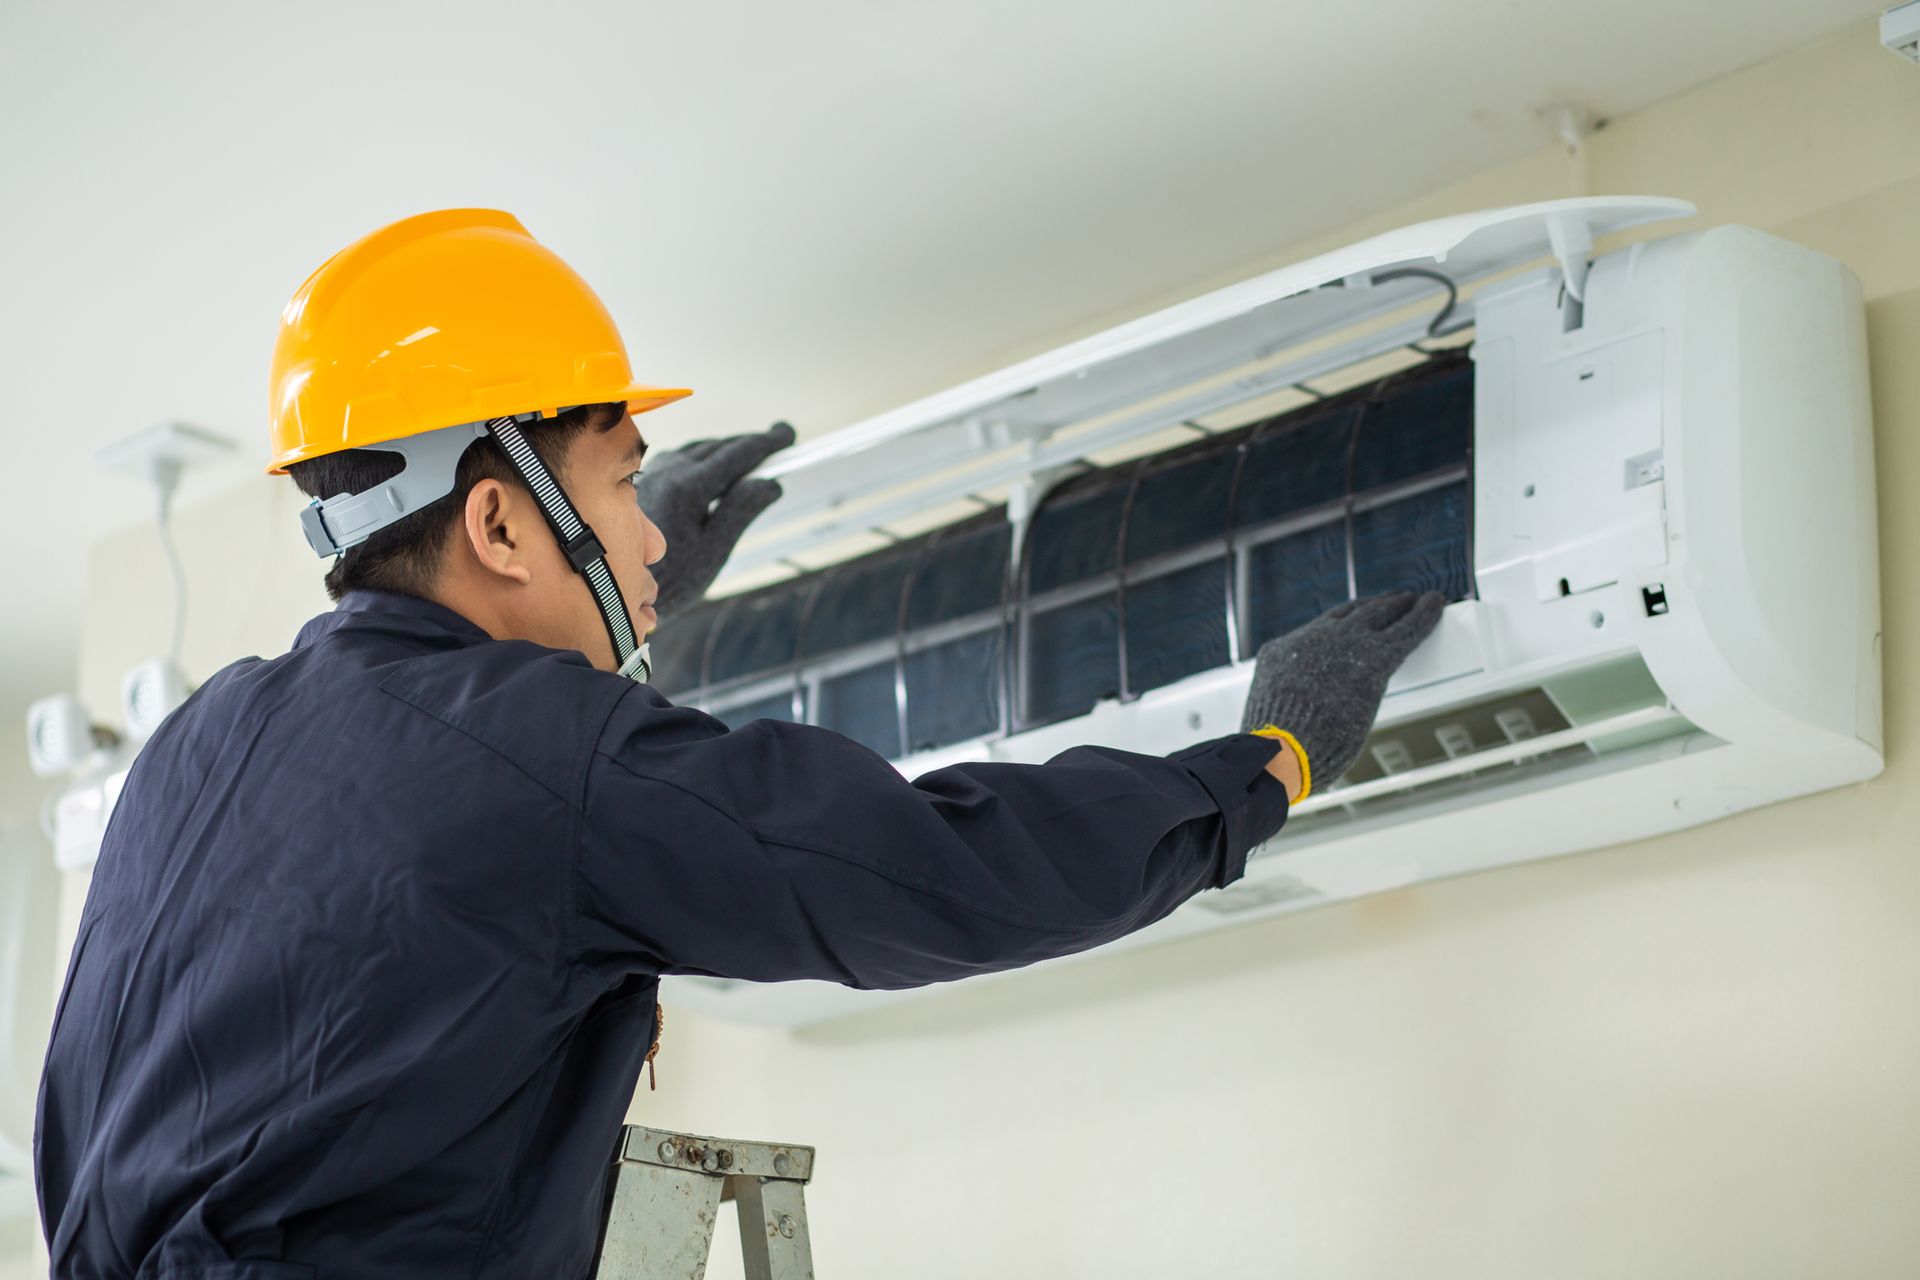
(598, 477)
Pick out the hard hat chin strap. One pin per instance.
(582, 548)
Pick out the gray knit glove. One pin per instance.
(702, 499)
(1323, 682)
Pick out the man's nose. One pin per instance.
(655, 541)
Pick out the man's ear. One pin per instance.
(495, 529)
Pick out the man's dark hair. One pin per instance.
(405, 556)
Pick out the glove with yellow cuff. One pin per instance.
(1318, 688)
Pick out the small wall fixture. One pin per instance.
(1900, 30)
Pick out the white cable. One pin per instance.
(165, 481)
(47, 827)
(179, 592)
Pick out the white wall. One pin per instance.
(1694, 1056)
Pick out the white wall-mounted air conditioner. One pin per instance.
(1672, 613)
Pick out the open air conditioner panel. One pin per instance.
(1131, 578)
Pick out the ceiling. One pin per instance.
(812, 211)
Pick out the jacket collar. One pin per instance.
(392, 611)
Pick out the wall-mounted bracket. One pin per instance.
(1570, 237)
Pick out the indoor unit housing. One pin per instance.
(1644, 481)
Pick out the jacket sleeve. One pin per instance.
(782, 851)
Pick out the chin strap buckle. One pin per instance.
(583, 549)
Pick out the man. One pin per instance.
(366, 977)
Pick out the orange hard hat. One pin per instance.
(437, 320)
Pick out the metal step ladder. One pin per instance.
(665, 1195)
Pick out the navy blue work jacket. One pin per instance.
(366, 977)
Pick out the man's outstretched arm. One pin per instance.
(782, 851)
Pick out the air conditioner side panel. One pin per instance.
(1773, 517)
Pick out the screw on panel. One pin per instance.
(786, 1227)
(782, 1163)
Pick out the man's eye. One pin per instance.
(634, 480)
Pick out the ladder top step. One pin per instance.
(722, 1157)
